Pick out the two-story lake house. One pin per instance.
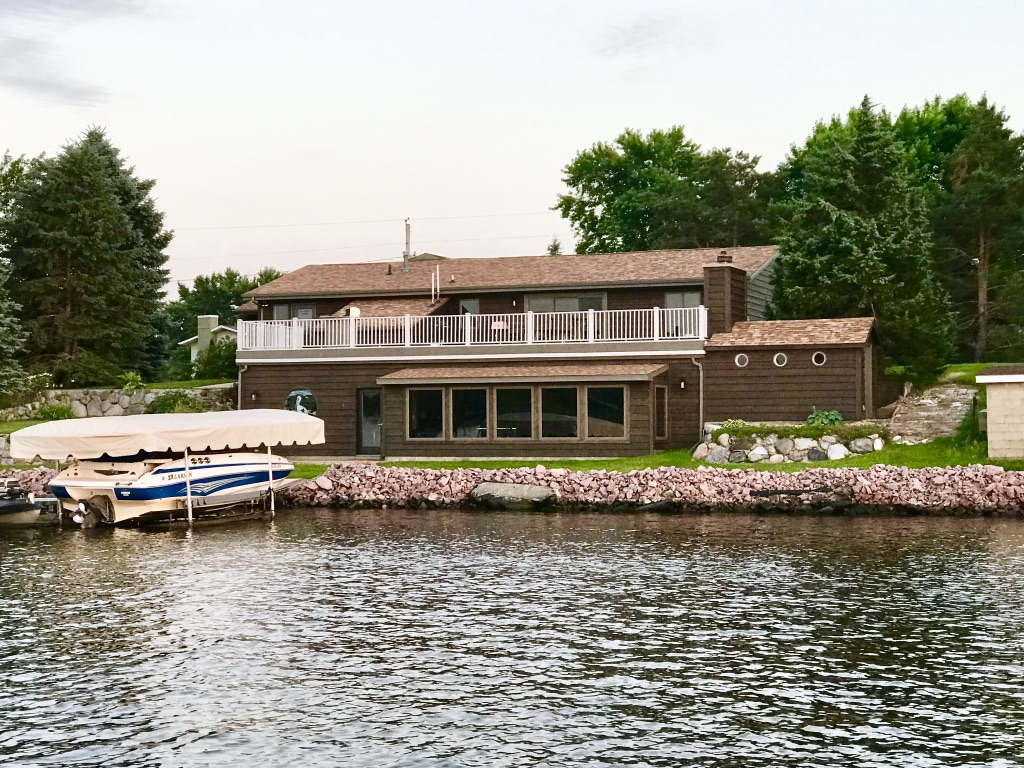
(544, 356)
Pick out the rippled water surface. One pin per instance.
(448, 638)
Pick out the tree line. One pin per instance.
(916, 219)
(82, 276)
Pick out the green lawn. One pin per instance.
(966, 372)
(308, 471)
(6, 427)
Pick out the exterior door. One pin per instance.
(369, 422)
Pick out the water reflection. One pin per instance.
(448, 638)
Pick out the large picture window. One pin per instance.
(426, 414)
(469, 413)
(682, 299)
(513, 412)
(559, 412)
(569, 303)
(606, 412)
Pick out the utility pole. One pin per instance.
(405, 253)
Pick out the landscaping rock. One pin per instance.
(776, 458)
(828, 440)
(701, 452)
(114, 410)
(78, 408)
(717, 455)
(758, 453)
(804, 443)
(723, 440)
(511, 496)
(93, 408)
(816, 454)
(837, 451)
(737, 457)
(878, 444)
(862, 445)
(796, 455)
(784, 446)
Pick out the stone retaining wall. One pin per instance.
(969, 490)
(776, 447)
(119, 402)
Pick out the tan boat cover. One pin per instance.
(165, 432)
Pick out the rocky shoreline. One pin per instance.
(975, 490)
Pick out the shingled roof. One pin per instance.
(508, 273)
(796, 333)
(525, 373)
(407, 305)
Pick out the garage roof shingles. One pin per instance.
(506, 273)
(795, 333)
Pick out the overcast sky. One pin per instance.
(282, 134)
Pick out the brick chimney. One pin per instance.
(725, 294)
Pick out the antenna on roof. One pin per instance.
(405, 253)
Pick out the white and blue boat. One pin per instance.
(132, 469)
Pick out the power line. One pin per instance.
(364, 221)
(367, 245)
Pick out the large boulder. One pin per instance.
(785, 445)
(737, 457)
(701, 451)
(816, 454)
(718, 455)
(837, 451)
(862, 445)
(804, 443)
(758, 453)
(511, 496)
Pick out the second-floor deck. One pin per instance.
(524, 328)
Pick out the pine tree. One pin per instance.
(85, 242)
(854, 239)
(12, 339)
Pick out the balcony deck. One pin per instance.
(592, 327)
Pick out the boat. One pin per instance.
(17, 506)
(167, 467)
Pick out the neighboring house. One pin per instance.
(544, 356)
(209, 331)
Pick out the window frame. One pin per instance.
(444, 416)
(824, 358)
(586, 437)
(785, 359)
(471, 299)
(534, 414)
(540, 413)
(746, 360)
(529, 298)
(450, 406)
(682, 292)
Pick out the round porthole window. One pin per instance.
(780, 359)
(742, 360)
(301, 400)
(818, 358)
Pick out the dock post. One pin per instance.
(188, 489)
(270, 479)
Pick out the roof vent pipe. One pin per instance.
(405, 253)
(724, 257)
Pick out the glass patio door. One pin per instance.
(368, 426)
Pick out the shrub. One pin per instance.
(731, 424)
(823, 418)
(178, 401)
(54, 412)
(131, 381)
(217, 361)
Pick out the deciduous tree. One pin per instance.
(661, 191)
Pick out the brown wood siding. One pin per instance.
(738, 305)
(714, 300)
(334, 385)
(764, 392)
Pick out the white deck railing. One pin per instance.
(592, 326)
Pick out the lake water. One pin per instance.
(458, 639)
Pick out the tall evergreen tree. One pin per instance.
(854, 239)
(976, 165)
(85, 242)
